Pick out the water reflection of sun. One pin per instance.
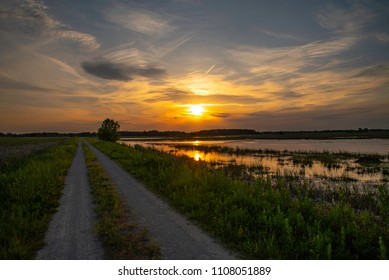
(197, 156)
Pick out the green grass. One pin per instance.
(19, 141)
(122, 238)
(261, 220)
(30, 188)
(15, 149)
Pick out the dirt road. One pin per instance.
(70, 235)
(177, 237)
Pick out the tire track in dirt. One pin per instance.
(70, 235)
(177, 237)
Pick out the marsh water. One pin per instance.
(318, 160)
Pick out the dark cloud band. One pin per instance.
(121, 72)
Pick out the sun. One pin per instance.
(196, 110)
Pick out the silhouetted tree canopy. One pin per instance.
(109, 130)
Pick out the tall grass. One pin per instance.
(30, 188)
(121, 236)
(21, 141)
(15, 149)
(262, 220)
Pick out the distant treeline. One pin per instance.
(249, 133)
(229, 133)
(49, 134)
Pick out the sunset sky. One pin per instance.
(190, 65)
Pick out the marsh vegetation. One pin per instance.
(271, 216)
(328, 168)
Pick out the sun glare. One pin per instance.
(197, 157)
(196, 110)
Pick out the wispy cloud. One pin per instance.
(278, 35)
(338, 115)
(143, 53)
(140, 19)
(68, 69)
(130, 55)
(181, 96)
(88, 41)
(221, 115)
(341, 20)
(309, 51)
(31, 19)
(310, 76)
(381, 70)
(382, 37)
(141, 58)
(7, 83)
(286, 62)
(32, 13)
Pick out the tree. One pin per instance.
(109, 130)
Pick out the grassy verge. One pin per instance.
(261, 220)
(30, 188)
(121, 238)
